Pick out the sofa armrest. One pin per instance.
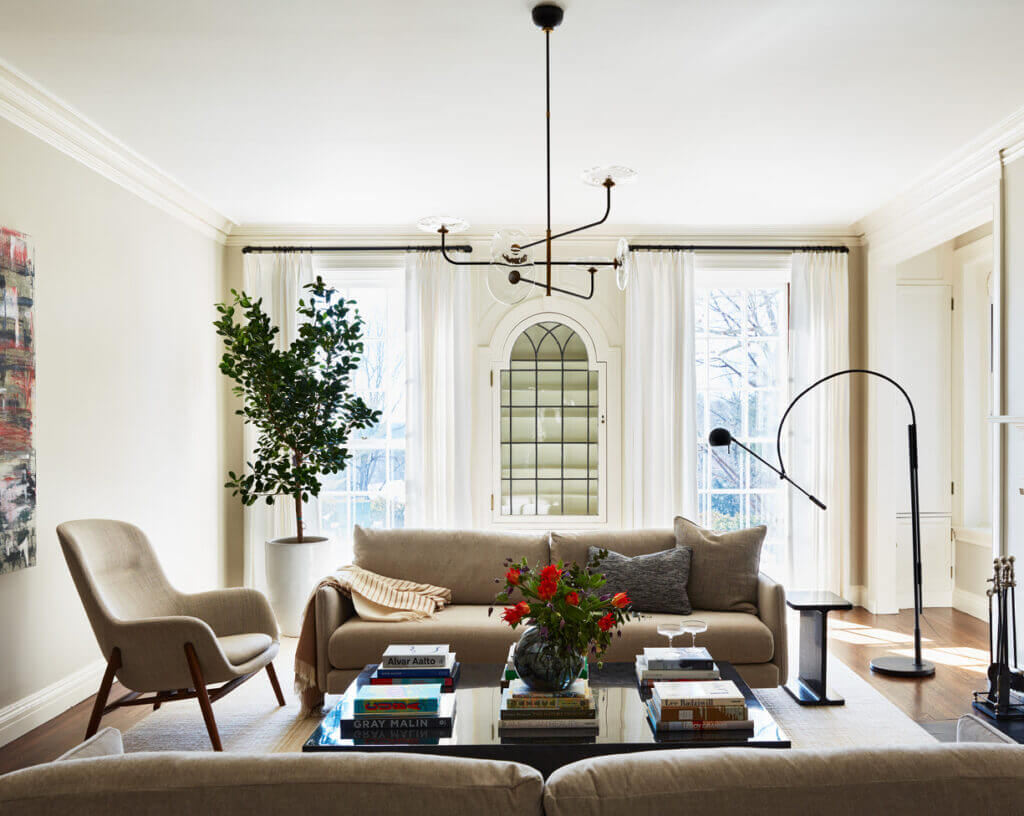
(104, 743)
(771, 608)
(332, 610)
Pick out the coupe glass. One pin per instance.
(670, 630)
(694, 627)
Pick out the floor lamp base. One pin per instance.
(902, 667)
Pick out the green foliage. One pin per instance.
(566, 601)
(298, 399)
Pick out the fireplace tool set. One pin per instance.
(1003, 700)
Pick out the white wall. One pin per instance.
(128, 403)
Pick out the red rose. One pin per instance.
(573, 599)
(514, 614)
(606, 623)
(620, 600)
(512, 576)
(550, 573)
(546, 590)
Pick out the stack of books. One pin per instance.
(509, 673)
(694, 705)
(661, 664)
(414, 665)
(402, 708)
(525, 711)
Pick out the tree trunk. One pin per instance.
(298, 517)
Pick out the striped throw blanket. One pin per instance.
(374, 597)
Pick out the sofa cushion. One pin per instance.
(939, 780)
(478, 638)
(172, 783)
(464, 561)
(573, 546)
(724, 567)
(655, 582)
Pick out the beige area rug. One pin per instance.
(250, 720)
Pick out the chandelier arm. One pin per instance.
(607, 212)
(553, 288)
(572, 263)
(453, 262)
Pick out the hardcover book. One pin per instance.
(699, 713)
(646, 675)
(440, 670)
(397, 701)
(421, 656)
(682, 658)
(389, 677)
(439, 724)
(519, 690)
(698, 725)
(698, 693)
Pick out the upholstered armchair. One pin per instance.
(156, 639)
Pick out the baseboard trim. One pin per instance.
(971, 602)
(23, 715)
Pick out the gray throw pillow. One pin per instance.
(655, 582)
(723, 568)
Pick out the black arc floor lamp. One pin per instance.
(896, 665)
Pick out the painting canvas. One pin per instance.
(17, 402)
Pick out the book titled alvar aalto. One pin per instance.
(418, 656)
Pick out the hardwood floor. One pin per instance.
(957, 643)
(63, 732)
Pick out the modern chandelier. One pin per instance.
(512, 250)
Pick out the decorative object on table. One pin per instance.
(524, 710)
(375, 598)
(417, 664)
(300, 402)
(509, 673)
(717, 705)
(17, 410)
(512, 250)
(569, 617)
(694, 627)
(1003, 700)
(654, 582)
(724, 567)
(810, 686)
(895, 665)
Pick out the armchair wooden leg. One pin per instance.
(113, 664)
(276, 686)
(202, 695)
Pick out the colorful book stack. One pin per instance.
(413, 665)
(694, 705)
(524, 710)
(509, 673)
(661, 664)
(398, 710)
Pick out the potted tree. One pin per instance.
(301, 403)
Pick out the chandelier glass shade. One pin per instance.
(515, 255)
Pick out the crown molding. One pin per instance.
(957, 195)
(400, 235)
(34, 109)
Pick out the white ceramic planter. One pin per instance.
(293, 570)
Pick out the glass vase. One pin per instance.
(541, 665)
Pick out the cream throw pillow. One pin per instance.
(723, 568)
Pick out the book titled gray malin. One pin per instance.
(419, 656)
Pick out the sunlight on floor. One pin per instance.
(861, 635)
(953, 656)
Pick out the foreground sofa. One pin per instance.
(467, 562)
(940, 780)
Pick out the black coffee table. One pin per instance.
(623, 725)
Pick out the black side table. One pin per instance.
(810, 686)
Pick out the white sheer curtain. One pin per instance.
(439, 360)
(818, 429)
(277, 278)
(660, 456)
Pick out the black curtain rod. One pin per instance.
(715, 248)
(246, 250)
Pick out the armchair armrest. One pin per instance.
(332, 609)
(232, 611)
(771, 609)
(153, 653)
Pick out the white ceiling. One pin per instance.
(374, 112)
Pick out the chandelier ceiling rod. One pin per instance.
(509, 248)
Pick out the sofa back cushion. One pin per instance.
(724, 566)
(173, 783)
(938, 780)
(464, 561)
(573, 546)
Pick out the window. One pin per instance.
(550, 412)
(742, 385)
(370, 491)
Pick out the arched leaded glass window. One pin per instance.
(549, 425)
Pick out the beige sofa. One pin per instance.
(940, 780)
(468, 562)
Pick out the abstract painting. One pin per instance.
(17, 402)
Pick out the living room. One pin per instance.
(705, 309)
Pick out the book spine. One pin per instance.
(409, 681)
(548, 715)
(422, 674)
(396, 723)
(700, 702)
(707, 725)
(546, 704)
(414, 661)
(705, 713)
(397, 708)
(512, 725)
(677, 676)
